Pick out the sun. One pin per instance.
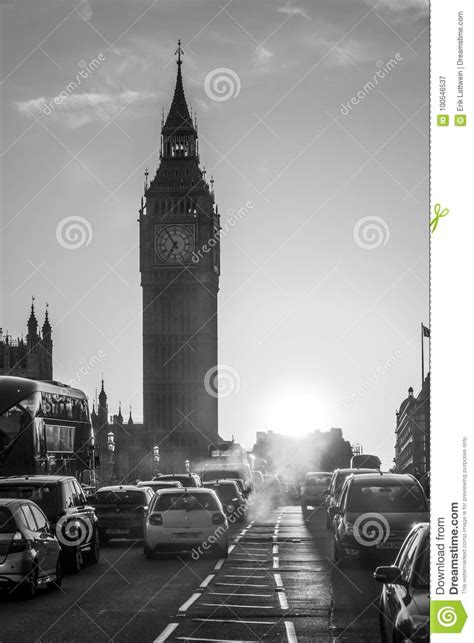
(295, 412)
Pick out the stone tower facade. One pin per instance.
(180, 284)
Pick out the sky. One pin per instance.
(324, 278)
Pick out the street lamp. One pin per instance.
(156, 458)
(187, 466)
(111, 450)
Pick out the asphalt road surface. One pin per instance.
(278, 584)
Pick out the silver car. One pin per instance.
(30, 554)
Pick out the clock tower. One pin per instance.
(179, 265)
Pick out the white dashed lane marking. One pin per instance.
(189, 602)
(169, 629)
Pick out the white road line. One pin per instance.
(231, 549)
(219, 563)
(243, 576)
(239, 595)
(189, 602)
(207, 580)
(240, 585)
(189, 638)
(235, 605)
(283, 601)
(230, 620)
(276, 562)
(169, 629)
(275, 549)
(291, 632)
(278, 581)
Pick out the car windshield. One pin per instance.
(185, 502)
(46, 495)
(7, 524)
(161, 485)
(225, 474)
(121, 497)
(395, 498)
(318, 480)
(186, 481)
(226, 492)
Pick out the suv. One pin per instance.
(405, 600)
(335, 487)
(120, 511)
(72, 519)
(313, 491)
(375, 514)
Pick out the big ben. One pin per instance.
(179, 265)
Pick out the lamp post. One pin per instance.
(111, 450)
(156, 458)
(187, 466)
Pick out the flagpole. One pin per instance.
(422, 358)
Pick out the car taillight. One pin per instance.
(218, 519)
(18, 543)
(156, 519)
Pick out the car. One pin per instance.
(186, 519)
(30, 554)
(335, 487)
(72, 518)
(313, 490)
(234, 504)
(156, 485)
(186, 479)
(405, 599)
(375, 514)
(120, 510)
(232, 471)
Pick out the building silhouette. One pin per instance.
(412, 433)
(179, 217)
(32, 356)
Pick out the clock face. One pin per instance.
(174, 244)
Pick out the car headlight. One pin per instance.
(349, 529)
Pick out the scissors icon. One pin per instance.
(439, 214)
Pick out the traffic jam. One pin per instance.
(273, 555)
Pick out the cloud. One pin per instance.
(75, 110)
(292, 10)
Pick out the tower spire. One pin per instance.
(179, 118)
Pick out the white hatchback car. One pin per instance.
(186, 519)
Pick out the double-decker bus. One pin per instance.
(45, 428)
(228, 451)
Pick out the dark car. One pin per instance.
(228, 491)
(120, 510)
(335, 487)
(30, 554)
(186, 479)
(405, 598)
(313, 491)
(375, 514)
(72, 519)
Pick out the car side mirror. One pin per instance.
(334, 511)
(388, 575)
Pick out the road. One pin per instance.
(278, 584)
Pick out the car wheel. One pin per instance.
(29, 586)
(94, 554)
(74, 561)
(149, 553)
(57, 582)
